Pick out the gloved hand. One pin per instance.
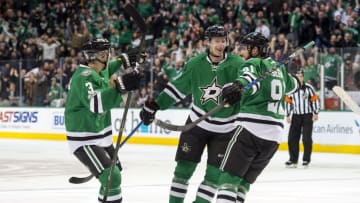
(232, 93)
(129, 59)
(127, 82)
(147, 114)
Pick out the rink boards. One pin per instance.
(333, 132)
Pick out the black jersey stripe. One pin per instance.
(225, 197)
(96, 103)
(215, 122)
(206, 192)
(111, 201)
(260, 121)
(250, 78)
(92, 137)
(179, 190)
(172, 90)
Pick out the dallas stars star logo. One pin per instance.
(211, 92)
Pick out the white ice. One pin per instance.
(38, 172)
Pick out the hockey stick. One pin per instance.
(129, 9)
(345, 97)
(79, 180)
(223, 103)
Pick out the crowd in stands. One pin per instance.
(40, 40)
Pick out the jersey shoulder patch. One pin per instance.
(85, 73)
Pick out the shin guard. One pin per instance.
(114, 194)
(242, 189)
(179, 185)
(228, 186)
(208, 187)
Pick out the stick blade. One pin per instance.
(168, 126)
(345, 97)
(131, 10)
(77, 180)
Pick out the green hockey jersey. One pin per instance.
(332, 63)
(88, 104)
(262, 107)
(204, 80)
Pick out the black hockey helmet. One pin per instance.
(255, 39)
(92, 47)
(215, 31)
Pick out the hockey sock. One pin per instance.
(208, 187)
(243, 188)
(228, 186)
(180, 182)
(114, 192)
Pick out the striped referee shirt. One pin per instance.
(302, 101)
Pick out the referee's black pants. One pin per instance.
(300, 123)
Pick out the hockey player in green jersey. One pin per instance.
(260, 118)
(92, 93)
(202, 77)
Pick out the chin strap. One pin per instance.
(104, 63)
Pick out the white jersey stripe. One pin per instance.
(91, 159)
(100, 104)
(111, 198)
(205, 196)
(177, 91)
(179, 185)
(97, 161)
(172, 95)
(177, 194)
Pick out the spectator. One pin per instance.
(5, 90)
(331, 62)
(311, 71)
(263, 28)
(31, 89)
(181, 22)
(42, 87)
(284, 16)
(48, 45)
(143, 96)
(13, 95)
(279, 42)
(55, 95)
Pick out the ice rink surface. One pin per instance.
(38, 172)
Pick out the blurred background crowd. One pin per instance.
(40, 40)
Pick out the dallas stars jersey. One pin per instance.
(311, 72)
(262, 107)
(87, 110)
(204, 81)
(332, 63)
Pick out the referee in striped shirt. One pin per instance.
(304, 107)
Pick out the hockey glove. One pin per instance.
(128, 82)
(232, 93)
(129, 59)
(147, 114)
